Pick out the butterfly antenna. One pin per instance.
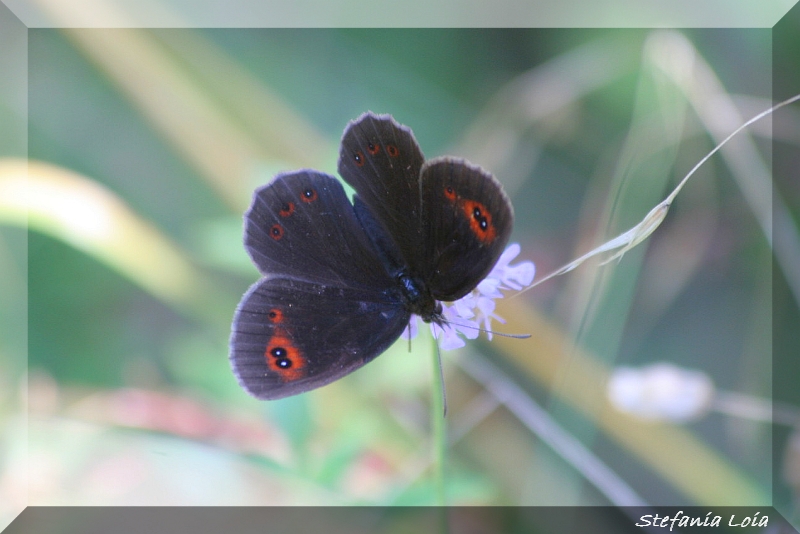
(479, 329)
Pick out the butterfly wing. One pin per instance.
(302, 225)
(327, 304)
(381, 160)
(440, 235)
(469, 220)
(291, 336)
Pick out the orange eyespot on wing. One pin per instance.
(287, 209)
(309, 195)
(283, 357)
(480, 220)
(276, 231)
(477, 214)
(275, 316)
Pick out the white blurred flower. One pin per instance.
(661, 391)
(475, 310)
(447, 334)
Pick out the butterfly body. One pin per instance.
(341, 279)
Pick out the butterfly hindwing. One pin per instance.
(381, 160)
(303, 225)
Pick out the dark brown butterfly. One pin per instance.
(341, 280)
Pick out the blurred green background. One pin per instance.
(147, 146)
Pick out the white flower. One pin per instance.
(447, 334)
(661, 391)
(512, 276)
(475, 310)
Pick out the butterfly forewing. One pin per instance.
(468, 222)
(290, 336)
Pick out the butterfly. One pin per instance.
(342, 279)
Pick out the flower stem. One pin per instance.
(438, 429)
